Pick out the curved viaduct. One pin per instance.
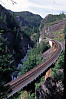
(27, 78)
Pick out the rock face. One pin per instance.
(49, 90)
(48, 74)
(54, 28)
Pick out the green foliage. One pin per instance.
(30, 22)
(58, 65)
(19, 94)
(8, 18)
(64, 32)
(55, 33)
(44, 36)
(6, 64)
(30, 31)
(29, 18)
(1, 17)
(43, 47)
(39, 82)
(11, 22)
(33, 58)
(5, 19)
(35, 37)
(51, 18)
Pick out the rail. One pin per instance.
(30, 76)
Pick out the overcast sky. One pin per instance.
(41, 7)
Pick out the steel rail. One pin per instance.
(38, 69)
(21, 77)
(31, 73)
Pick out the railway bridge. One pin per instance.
(30, 76)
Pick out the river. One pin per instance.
(16, 73)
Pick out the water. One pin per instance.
(40, 39)
(16, 73)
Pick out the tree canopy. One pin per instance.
(6, 64)
(59, 65)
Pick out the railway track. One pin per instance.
(27, 78)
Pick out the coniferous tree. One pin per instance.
(6, 65)
(6, 60)
(5, 19)
(1, 16)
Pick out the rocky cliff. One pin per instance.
(48, 74)
(50, 90)
(52, 26)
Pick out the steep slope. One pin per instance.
(28, 18)
(18, 41)
(7, 19)
(13, 47)
(28, 21)
(52, 26)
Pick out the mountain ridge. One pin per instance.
(28, 21)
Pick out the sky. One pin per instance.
(41, 7)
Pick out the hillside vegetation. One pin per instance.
(16, 31)
(13, 47)
(34, 58)
(51, 18)
(52, 26)
(7, 20)
(28, 22)
(7, 51)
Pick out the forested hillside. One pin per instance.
(17, 31)
(13, 46)
(28, 22)
(51, 18)
(10, 29)
(52, 26)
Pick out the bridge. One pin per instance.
(30, 76)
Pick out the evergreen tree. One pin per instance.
(34, 58)
(6, 64)
(59, 65)
(64, 32)
(1, 17)
(5, 19)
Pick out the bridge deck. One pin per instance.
(27, 78)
